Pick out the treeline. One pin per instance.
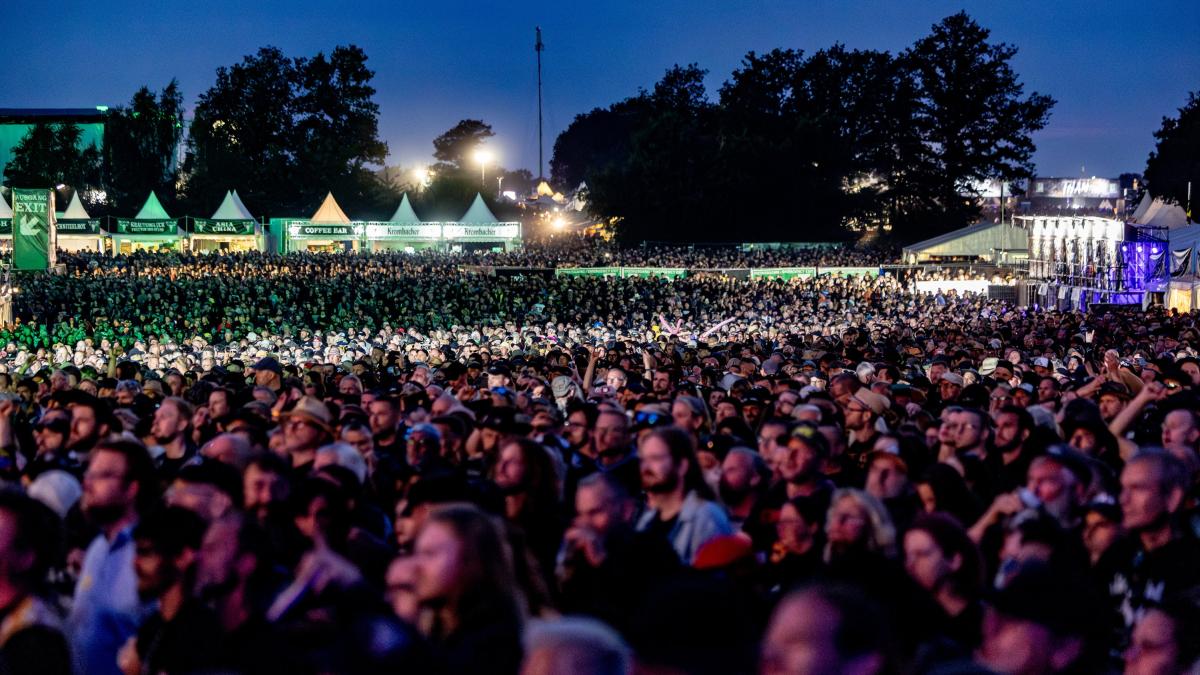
(801, 146)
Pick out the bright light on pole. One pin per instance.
(484, 157)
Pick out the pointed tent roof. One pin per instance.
(5, 209)
(404, 213)
(152, 209)
(479, 213)
(242, 207)
(330, 212)
(229, 210)
(75, 210)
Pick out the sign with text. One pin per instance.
(384, 230)
(33, 216)
(78, 227)
(156, 227)
(498, 231)
(301, 229)
(230, 227)
(5, 226)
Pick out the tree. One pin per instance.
(283, 131)
(456, 147)
(595, 141)
(50, 155)
(973, 116)
(140, 144)
(1175, 160)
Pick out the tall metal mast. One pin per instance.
(539, 48)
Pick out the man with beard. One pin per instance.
(384, 419)
(742, 488)
(91, 422)
(680, 506)
(182, 635)
(118, 485)
(1010, 441)
(579, 432)
(800, 470)
(172, 431)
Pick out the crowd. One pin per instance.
(361, 464)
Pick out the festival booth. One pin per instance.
(231, 228)
(150, 230)
(480, 230)
(328, 230)
(404, 231)
(1184, 285)
(996, 243)
(77, 230)
(6, 225)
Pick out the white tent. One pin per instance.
(231, 209)
(983, 240)
(1157, 213)
(5, 209)
(330, 212)
(75, 210)
(479, 213)
(405, 213)
(152, 209)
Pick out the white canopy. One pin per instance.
(1157, 213)
(980, 240)
(479, 213)
(75, 210)
(404, 213)
(330, 212)
(230, 209)
(5, 209)
(152, 209)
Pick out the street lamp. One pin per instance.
(483, 156)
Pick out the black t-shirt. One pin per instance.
(661, 529)
(190, 642)
(1139, 579)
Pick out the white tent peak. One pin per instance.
(75, 210)
(479, 213)
(330, 212)
(237, 199)
(5, 209)
(404, 213)
(152, 209)
(230, 210)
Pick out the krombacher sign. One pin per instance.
(232, 227)
(145, 226)
(383, 230)
(89, 227)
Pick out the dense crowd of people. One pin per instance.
(382, 463)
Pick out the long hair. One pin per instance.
(487, 580)
(967, 581)
(541, 479)
(680, 444)
(881, 534)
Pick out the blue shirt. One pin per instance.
(106, 610)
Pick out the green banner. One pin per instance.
(231, 227)
(78, 227)
(587, 271)
(33, 215)
(668, 272)
(851, 271)
(6, 227)
(146, 226)
(782, 272)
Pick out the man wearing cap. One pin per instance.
(268, 373)
(950, 386)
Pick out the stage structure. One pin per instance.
(1078, 261)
